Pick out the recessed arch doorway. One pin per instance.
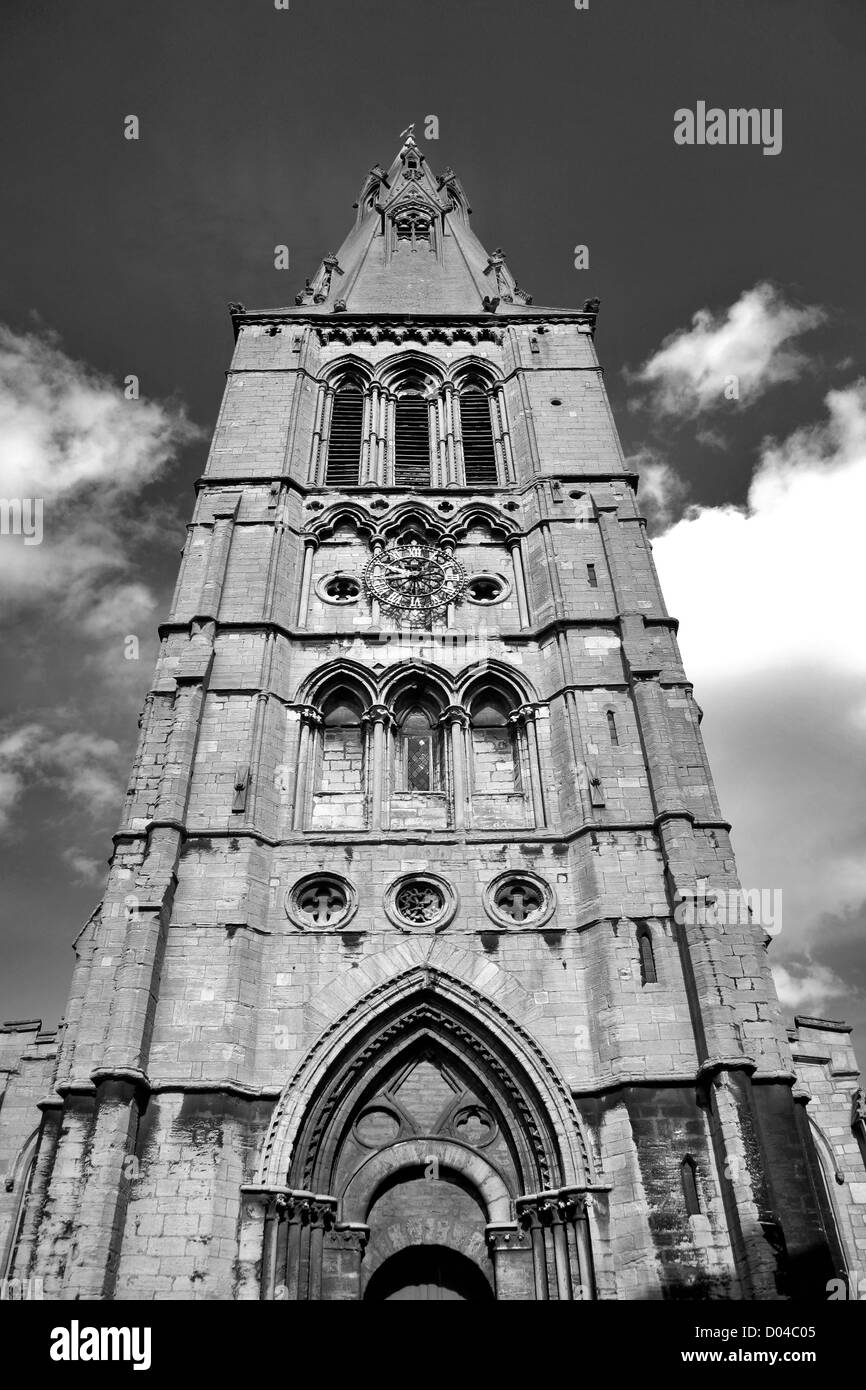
(428, 1273)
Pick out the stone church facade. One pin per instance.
(416, 974)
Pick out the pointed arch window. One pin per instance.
(342, 744)
(412, 441)
(496, 765)
(418, 756)
(476, 428)
(344, 442)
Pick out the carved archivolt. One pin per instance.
(432, 1001)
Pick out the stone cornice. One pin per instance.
(360, 838)
(380, 636)
(325, 320)
(357, 494)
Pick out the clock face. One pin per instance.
(414, 582)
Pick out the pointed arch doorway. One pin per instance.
(429, 1153)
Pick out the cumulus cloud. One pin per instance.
(743, 350)
(85, 869)
(769, 598)
(662, 490)
(64, 428)
(69, 437)
(808, 988)
(81, 766)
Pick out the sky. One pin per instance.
(731, 332)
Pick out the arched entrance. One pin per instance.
(429, 1122)
(426, 1274)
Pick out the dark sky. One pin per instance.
(258, 127)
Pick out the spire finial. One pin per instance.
(408, 136)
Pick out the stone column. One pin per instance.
(456, 719)
(311, 545)
(379, 464)
(557, 1215)
(531, 1218)
(524, 719)
(308, 1217)
(437, 426)
(367, 418)
(502, 435)
(452, 433)
(578, 1210)
(295, 1225)
(387, 473)
(327, 413)
(320, 424)
(515, 550)
(310, 721)
(378, 720)
(557, 1223)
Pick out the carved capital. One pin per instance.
(454, 714)
(502, 1236)
(378, 714)
(309, 715)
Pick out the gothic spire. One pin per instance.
(412, 249)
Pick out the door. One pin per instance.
(428, 1273)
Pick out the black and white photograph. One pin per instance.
(433, 698)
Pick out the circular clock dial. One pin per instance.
(414, 581)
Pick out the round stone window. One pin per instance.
(520, 899)
(376, 1127)
(339, 588)
(420, 902)
(474, 1125)
(486, 588)
(321, 902)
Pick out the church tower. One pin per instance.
(417, 974)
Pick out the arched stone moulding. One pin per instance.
(380, 700)
(539, 1241)
(511, 1041)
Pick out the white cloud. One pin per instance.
(751, 341)
(662, 491)
(777, 583)
(770, 602)
(808, 988)
(84, 868)
(69, 437)
(83, 767)
(65, 428)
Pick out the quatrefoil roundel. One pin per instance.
(519, 898)
(321, 902)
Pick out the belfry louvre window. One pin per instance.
(344, 444)
(412, 443)
(479, 456)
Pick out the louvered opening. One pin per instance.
(412, 443)
(344, 445)
(479, 455)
